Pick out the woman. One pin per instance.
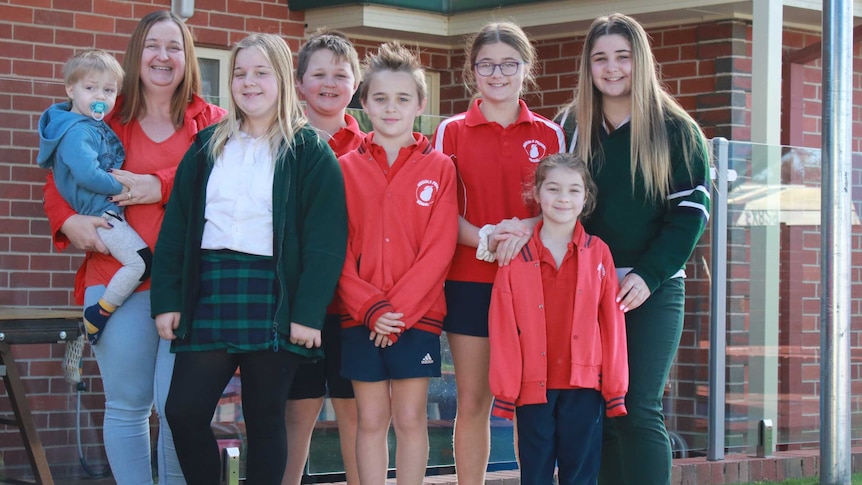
(649, 160)
(156, 119)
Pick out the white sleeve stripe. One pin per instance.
(441, 130)
(695, 205)
(564, 118)
(561, 136)
(461, 181)
(686, 193)
(574, 144)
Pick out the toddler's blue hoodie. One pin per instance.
(80, 150)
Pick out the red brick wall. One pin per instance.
(707, 66)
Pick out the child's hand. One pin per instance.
(380, 340)
(388, 323)
(509, 236)
(508, 246)
(508, 227)
(304, 336)
(166, 323)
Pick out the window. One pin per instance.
(432, 80)
(214, 75)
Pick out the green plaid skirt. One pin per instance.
(235, 306)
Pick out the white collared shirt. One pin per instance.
(238, 213)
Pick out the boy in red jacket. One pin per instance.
(327, 75)
(402, 230)
(557, 335)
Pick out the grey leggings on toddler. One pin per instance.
(127, 247)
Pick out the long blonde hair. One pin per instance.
(289, 118)
(134, 106)
(651, 107)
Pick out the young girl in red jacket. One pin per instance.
(402, 229)
(558, 339)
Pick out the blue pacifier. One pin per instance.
(98, 108)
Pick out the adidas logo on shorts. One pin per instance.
(427, 360)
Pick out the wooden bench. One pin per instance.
(31, 326)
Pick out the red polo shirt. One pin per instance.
(494, 166)
(558, 287)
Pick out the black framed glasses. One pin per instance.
(508, 68)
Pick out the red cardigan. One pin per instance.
(403, 226)
(599, 360)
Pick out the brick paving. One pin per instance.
(734, 469)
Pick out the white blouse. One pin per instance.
(238, 213)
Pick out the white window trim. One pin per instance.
(223, 58)
(432, 80)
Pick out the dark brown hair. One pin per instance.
(568, 161)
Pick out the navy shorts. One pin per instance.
(313, 380)
(415, 354)
(467, 308)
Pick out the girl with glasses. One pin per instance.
(495, 146)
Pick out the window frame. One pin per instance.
(222, 56)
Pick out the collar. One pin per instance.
(579, 236)
(607, 129)
(420, 144)
(196, 108)
(346, 138)
(352, 125)
(475, 117)
(419, 141)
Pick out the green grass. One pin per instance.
(856, 480)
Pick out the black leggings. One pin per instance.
(197, 384)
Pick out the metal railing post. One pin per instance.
(718, 304)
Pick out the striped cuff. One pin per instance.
(503, 409)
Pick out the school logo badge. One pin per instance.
(426, 191)
(535, 149)
(601, 271)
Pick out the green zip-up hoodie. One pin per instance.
(309, 235)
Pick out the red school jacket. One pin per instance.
(516, 322)
(402, 230)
